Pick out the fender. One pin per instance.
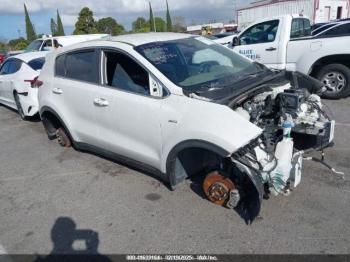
(175, 172)
(45, 123)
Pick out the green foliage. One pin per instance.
(151, 18)
(169, 23)
(29, 26)
(109, 25)
(53, 26)
(86, 23)
(140, 25)
(3, 47)
(160, 24)
(60, 29)
(18, 44)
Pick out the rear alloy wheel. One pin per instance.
(19, 107)
(336, 78)
(63, 138)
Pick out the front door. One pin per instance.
(260, 43)
(129, 122)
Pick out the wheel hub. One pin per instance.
(334, 81)
(217, 188)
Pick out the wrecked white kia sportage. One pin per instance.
(180, 105)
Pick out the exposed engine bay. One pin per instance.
(294, 123)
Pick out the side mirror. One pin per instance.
(235, 41)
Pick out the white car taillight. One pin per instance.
(35, 83)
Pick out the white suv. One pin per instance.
(181, 105)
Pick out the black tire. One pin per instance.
(337, 76)
(19, 107)
(63, 138)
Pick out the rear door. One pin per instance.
(77, 80)
(7, 78)
(3, 78)
(128, 115)
(260, 43)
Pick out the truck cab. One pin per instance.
(266, 41)
(286, 43)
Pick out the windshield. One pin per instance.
(34, 46)
(197, 63)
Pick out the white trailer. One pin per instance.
(317, 10)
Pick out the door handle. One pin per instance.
(271, 49)
(57, 91)
(101, 102)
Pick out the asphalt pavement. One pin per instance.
(52, 198)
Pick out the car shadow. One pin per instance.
(65, 237)
(142, 169)
(34, 119)
(248, 208)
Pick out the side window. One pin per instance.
(301, 27)
(37, 64)
(4, 68)
(60, 68)
(14, 66)
(47, 43)
(82, 65)
(124, 73)
(340, 30)
(261, 33)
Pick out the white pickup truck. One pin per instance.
(285, 42)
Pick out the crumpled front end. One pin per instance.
(294, 123)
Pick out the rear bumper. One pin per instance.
(29, 102)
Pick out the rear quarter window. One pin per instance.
(60, 69)
(37, 64)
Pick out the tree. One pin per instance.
(110, 26)
(160, 24)
(179, 24)
(3, 47)
(140, 25)
(169, 24)
(151, 19)
(53, 26)
(60, 29)
(86, 23)
(18, 44)
(29, 26)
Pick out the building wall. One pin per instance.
(251, 15)
(306, 7)
(322, 13)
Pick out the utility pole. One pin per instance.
(236, 13)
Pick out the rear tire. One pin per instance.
(63, 138)
(337, 78)
(19, 107)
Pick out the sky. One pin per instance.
(12, 23)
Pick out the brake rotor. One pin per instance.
(217, 188)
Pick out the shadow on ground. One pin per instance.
(72, 244)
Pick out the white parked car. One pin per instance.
(18, 75)
(48, 43)
(179, 105)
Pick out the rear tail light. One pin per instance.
(35, 83)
